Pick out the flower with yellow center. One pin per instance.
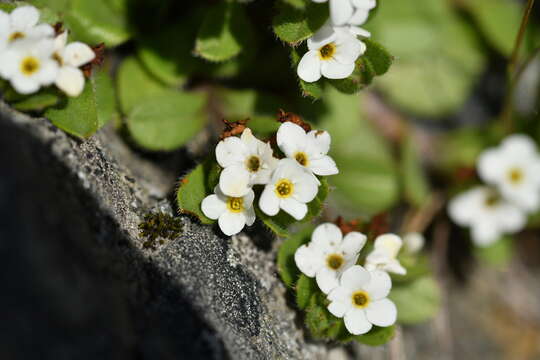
(290, 188)
(514, 169)
(384, 255)
(232, 213)
(349, 12)
(489, 215)
(310, 150)
(332, 53)
(22, 23)
(329, 254)
(28, 64)
(360, 299)
(246, 161)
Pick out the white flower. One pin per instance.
(514, 168)
(232, 213)
(487, 213)
(70, 57)
(328, 255)
(332, 54)
(22, 23)
(246, 161)
(28, 64)
(308, 149)
(361, 300)
(353, 12)
(384, 255)
(414, 242)
(290, 188)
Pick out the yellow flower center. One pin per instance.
(284, 188)
(334, 261)
(235, 204)
(253, 164)
(360, 299)
(302, 158)
(29, 65)
(327, 51)
(515, 176)
(16, 35)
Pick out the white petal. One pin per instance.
(355, 278)
(212, 207)
(307, 260)
(291, 138)
(332, 69)
(364, 4)
(269, 202)
(24, 17)
(250, 216)
(341, 294)
(356, 322)
(348, 51)
(326, 234)
(519, 145)
(324, 166)
(414, 242)
(489, 167)
(323, 36)
(379, 286)
(340, 11)
(9, 63)
(77, 54)
(465, 207)
(293, 207)
(309, 67)
(389, 243)
(24, 85)
(231, 223)
(326, 279)
(70, 80)
(358, 31)
(60, 42)
(321, 141)
(230, 151)
(338, 308)
(359, 17)
(485, 233)
(306, 188)
(381, 312)
(41, 31)
(234, 181)
(352, 243)
(5, 23)
(248, 199)
(395, 267)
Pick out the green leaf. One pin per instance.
(418, 301)
(135, 84)
(195, 186)
(499, 254)
(377, 336)
(285, 259)
(367, 179)
(96, 21)
(166, 122)
(105, 97)
(314, 89)
(293, 24)
(379, 58)
(436, 69)
(305, 288)
(415, 184)
(224, 33)
(499, 21)
(280, 223)
(37, 102)
(417, 266)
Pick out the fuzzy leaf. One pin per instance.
(415, 184)
(285, 259)
(305, 288)
(294, 24)
(166, 122)
(37, 102)
(417, 301)
(195, 186)
(224, 33)
(377, 336)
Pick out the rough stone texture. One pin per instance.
(77, 283)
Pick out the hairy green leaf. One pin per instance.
(417, 301)
(294, 24)
(285, 259)
(377, 336)
(305, 288)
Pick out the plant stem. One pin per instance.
(506, 114)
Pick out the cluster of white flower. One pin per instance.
(289, 183)
(334, 49)
(356, 293)
(512, 174)
(32, 55)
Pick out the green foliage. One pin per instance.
(195, 186)
(37, 102)
(377, 336)
(280, 223)
(438, 55)
(82, 116)
(306, 287)
(499, 254)
(167, 121)
(415, 183)
(367, 179)
(417, 301)
(296, 21)
(285, 259)
(225, 31)
(499, 21)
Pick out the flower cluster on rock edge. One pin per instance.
(33, 55)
